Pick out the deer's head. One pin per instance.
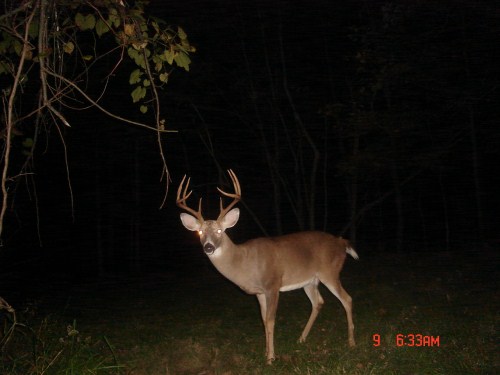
(212, 232)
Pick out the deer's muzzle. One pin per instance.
(208, 248)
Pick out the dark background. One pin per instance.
(399, 100)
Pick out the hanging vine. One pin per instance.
(49, 49)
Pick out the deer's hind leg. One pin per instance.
(316, 302)
(336, 288)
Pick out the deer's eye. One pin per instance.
(200, 232)
(219, 231)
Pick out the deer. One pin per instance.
(267, 266)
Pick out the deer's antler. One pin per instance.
(236, 195)
(181, 201)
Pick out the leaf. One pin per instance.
(28, 54)
(182, 34)
(137, 56)
(89, 23)
(132, 53)
(28, 142)
(182, 60)
(69, 47)
(18, 47)
(3, 69)
(101, 27)
(33, 30)
(163, 77)
(4, 46)
(135, 77)
(129, 29)
(187, 47)
(155, 26)
(169, 56)
(87, 57)
(143, 109)
(139, 45)
(138, 94)
(146, 83)
(113, 18)
(85, 22)
(79, 20)
(157, 60)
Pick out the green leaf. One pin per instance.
(89, 22)
(182, 60)
(28, 142)
(146, 83)
(69, 48)
(155, 26)
(4, 46)
(85, 22)
(182, 34)
(87, 57)
(186, 46)
(133, 53)
(135, 77)
(101, 27)
(143, 108)
(169, 56)
(157, 60)
(33, 30)
(18, 47)
(113, 18)
(3, 67)
(137, 56)
(163, 77)
(138, 94)
(79, 20)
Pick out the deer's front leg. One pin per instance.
(268, 306)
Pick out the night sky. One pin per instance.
(372, 120)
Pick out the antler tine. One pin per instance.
(181, 201)
(236, 195)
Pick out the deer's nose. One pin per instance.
(208, 248)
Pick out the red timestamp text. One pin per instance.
(410, 340)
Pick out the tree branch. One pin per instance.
(21, 8)
(10, 120)
(102, 109)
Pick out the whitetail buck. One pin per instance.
(267, 266)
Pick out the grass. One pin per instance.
(202, 324)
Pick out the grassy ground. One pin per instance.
(202, 324)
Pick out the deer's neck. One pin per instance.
(227, 256)
(230, 261)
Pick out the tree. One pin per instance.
(48, 51)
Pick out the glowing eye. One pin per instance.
(219, 231)
(200, 232)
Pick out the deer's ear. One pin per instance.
(231, 218)
(190, 222)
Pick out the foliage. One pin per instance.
(205, 325)
(50, 54)
(48, 349)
